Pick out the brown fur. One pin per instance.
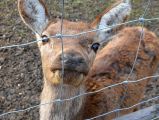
(112, 65)
(72, 83)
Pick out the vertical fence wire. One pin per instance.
(141, 20)
(60, 36)
(62, 62)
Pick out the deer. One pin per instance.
(87, 65)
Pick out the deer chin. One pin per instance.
(72, 78)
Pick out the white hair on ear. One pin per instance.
(114, 16)
(33, 14)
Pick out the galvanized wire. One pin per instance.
(84, 94)
(156, 118)
(126, 108)
(127, 81)
(78, 34)
(146, 9)
(141, 20)
(62, 48)
(131, 71)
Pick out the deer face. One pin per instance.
(78, 53)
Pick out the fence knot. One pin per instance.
(58, 100)
(59, 36)
(141, 20)
(125, 82)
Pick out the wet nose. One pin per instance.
(74, 61)
(72, 58)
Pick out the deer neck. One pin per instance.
(67, 110)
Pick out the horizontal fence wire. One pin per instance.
(156, 118)
(127, 81)
(84, 94)
(88, 93)
(81, 33)
(126, 108)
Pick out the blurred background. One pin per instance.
(20, 67)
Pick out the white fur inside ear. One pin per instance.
(114, 16)
(37, 18)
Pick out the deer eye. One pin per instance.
(45, 38)
(95, 47)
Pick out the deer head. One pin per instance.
(77, 56)
(79, 53)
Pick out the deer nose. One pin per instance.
(74, 62)
(71, 58)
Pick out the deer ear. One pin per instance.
(116, 15)
(34, 14)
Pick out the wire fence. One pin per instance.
(81, 33)
(142, 20)
(90, 93)
(156, 118)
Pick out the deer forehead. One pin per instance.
(68, 27)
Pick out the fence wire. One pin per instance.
(141, 20)
(126, 108)
(156, 118)
(136, 56)
(62, 48)
(84, 94)
(79, 34)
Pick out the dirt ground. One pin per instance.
(20, 67)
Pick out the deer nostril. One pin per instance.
(72, 59)
(71, 62)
